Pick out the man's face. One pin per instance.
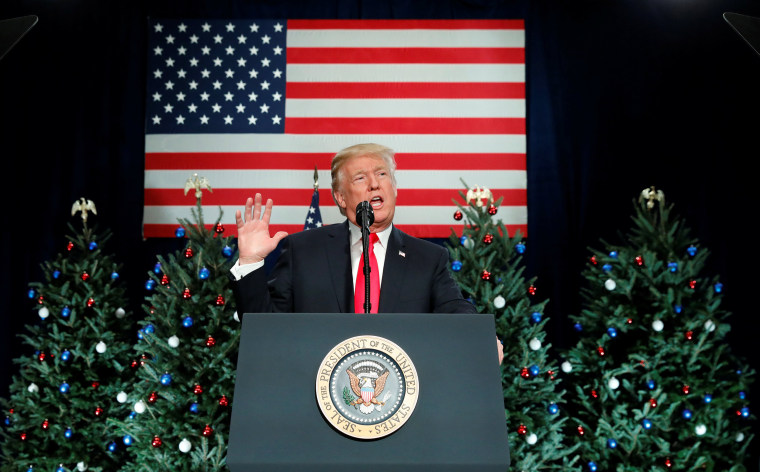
(367, 178)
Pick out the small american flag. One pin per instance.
(254, 105)
(313, 216)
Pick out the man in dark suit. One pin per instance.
(317, 269)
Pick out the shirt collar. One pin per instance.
(356, 234)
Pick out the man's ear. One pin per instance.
(339, 198)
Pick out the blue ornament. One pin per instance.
(745, 412)
(30, 293)
(673, 266)
(553, 409)
(132, 415)
(456, 266)
(738, 372)
(646, 424)
(707, 398)
(30, 469)
(611, 443)
(536, 316)
(60, 469)
(187, 322)
(93, 245)
(56, 273)
(520, 248)
(204, 273)
(592, 466)
(534, 370)
(614, 254)
(578, 327)
(157, 268)
(692, 250)
(686, 413)
(180, 232)
(127, 440)
(64, 388)
(607, 267)
(650, 384)
(463, 240)
(112, 446)
(718, 287)
(612, 332)
(68, 433)
(742, 395)
(227, 251)
(194, 407)
(677, 308)
(65, 312)
(7, 420)
(114, 275)
(166, 379)
(65, 355)
(150, 284)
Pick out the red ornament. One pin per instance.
(165, 280)
(224, 401)
(189, 253)
(98, 411)
(85, 276)
(524, 373)
(738, 413)
(532, 290)
(152, 310)
(95, 384)
(210, 341)
(594, 394)
(692, 284)
(457, 215)
(152, 397)
(629, 320)
(23, 436)
(639, 260)
(45, 424)
(197, 389)
(488, 238)
(485, 275)
(156, 442)
(653, 403)
(600, 351)
(186, 293)
(581, 431)
(492, 209)
(207, 431)
(551, 374)
(11, 411)
(522, 429)
(90, 302)
(41, 299)
(593, 259)
(219, 300)
(134, 364)
(685, 389)
(70, 246)
(668, 463)
(689, 335)
(219, 228)
(41, 357)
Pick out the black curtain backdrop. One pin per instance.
(621, 95)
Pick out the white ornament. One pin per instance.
(173, 341)
(139, 407)
(739, 437)
(185, 446)
(100, 347)
(700, 429)
(566, 367)
(121, 397)
(120, 313)
(613, 383)
(81, 466)
(468, 243)
(535, 344)
(33, 388)
(709, 326)
(236, 317)
(658, 325)
(43, 312)
(532, 439)
(610, 284)
(499, 302)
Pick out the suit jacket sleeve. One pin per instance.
(255, 294)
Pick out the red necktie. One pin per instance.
(374, 280)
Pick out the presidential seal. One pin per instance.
(367, 387)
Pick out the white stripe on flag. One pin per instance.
(412, 108)
(411, 38)
(405, 73)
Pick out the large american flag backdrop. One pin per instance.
(256, 105)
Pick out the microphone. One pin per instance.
(365, 216)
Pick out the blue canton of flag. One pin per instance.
(216, 77)
(313, 217)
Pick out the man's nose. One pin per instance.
(373, 182)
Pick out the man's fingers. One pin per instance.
(257, 207)
(267, 211)
(238, 219)
(279, 235)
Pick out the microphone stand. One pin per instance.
(366, 217)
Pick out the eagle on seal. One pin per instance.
(367, 390)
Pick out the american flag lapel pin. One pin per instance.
(402, 253)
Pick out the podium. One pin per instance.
(288, 394)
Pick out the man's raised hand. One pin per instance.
(254, 241)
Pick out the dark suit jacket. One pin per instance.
(313, 275)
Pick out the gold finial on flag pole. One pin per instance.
(197, 183)
(84, 206)
(316, 178)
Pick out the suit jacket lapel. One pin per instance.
(393, 272)
(338, 255)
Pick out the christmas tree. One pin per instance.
(186, 354)
(486, 263)
(656, 385)
(71, 369)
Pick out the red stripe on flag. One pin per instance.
(406, 55)
(405, 125)
(406, 24)
(306, 161)
(405, 90)
(301, 197)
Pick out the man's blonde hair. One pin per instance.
(360, 150)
